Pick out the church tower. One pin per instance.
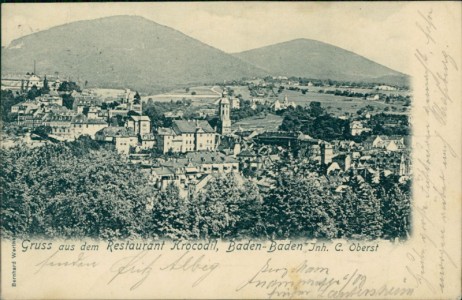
(224, 115)
(327, 154)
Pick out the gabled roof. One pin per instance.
(190, 126)
(58, 118)
(162, 171)
(165, 131)
(209, 157)
(391, 137)
(116, 131)
(140, 118)
(82, 119)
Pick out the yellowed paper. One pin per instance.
(426, 266)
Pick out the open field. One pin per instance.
(358, 90)
(242, 90)
(337, 105)
(203, 95)
(108, 93)
(268, 122)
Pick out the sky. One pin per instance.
(375, 30)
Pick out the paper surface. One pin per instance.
(427, 266)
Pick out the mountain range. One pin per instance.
(133, 52)
(315, 59)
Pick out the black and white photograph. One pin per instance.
(328, 132)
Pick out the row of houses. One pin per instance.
(193, 171)
(23, 83)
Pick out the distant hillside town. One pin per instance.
(256, 138)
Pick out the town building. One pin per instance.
(389, 143)
(81, 125)
(25, 107)
(32, 119)
(192, 172)
(21, 83)
(124, 143)
(61, 126)
(327, 153)
(148, 141)
(50, 99)
(277, 105)
(186, 136)
(139, 124)
(235, 103)
(373, 97)
(174, 114)
(357, 128)
(340, 162)
(385, 88)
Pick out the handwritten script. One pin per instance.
(432, 174)
(139, 267)
(309, 280)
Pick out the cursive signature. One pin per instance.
(142, 265)
(133, 265)
(79, 262)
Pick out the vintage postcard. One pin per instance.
(231, 150)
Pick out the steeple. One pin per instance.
(327, 154)
(224, 108)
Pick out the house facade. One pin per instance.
(186, 136)
(139, 124)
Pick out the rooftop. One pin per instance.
(140, 118)
(191, 126)
(115, 131)
(82, 119)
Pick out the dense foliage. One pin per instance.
(81, 189)
(56, 191)
(69, 86)
(316, 122)
(156, 110)
(8, 99)
(246, 110)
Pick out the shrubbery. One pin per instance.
(57, 191)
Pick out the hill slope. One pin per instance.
(123, 51)
(314, 59)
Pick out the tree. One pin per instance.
(33, 92)
(214, 210)
(45, 89)
(300, 207)
(168, 215)
(250, 221)
(316, 109)
(52, 191)
(8, 99)
(364, 218)
(42, 131)
(68, 101)
(137, 98)
(68, 86)
(396, 211)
